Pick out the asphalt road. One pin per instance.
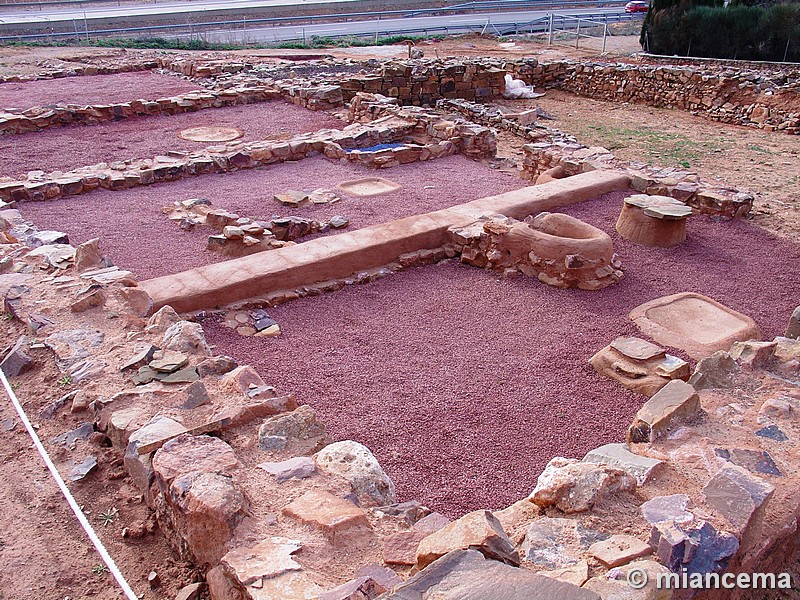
(15, 16)
(492, 22)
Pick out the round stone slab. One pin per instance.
(211, 134)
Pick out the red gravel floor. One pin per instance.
(65, 148)
(465, 384)
(95, 89)
(119, 218)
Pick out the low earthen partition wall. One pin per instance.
(342, 255)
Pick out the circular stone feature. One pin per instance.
(211, 134)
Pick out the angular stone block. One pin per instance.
(677, 401)
(738, 496)
(619, 549)
(468, 574)
(479, 530)
(620, 456)
(334, 516)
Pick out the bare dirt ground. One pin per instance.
(766, 163)
(44, 553)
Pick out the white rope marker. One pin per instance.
(101, 550)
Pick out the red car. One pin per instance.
(637, 6)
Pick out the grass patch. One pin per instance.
(660, 147)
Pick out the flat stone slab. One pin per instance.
(327, 512)
(369, 186)
(694, 323)
(211, 133)
(340, 256)
(660, 207)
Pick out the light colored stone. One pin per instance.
(268, 559)
(573, 486)
(479, 530)
(187, 453)
(298, 467)
(620, 456)
(355, 463)
(751, 354)
(619, 549)
(576, 574)
(614, 585)
(555, 543)
(186, 337)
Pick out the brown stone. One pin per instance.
(676, 402)
(360, 588)
(639, 365)
(479, 530)
(88, 255)
(137, 300)
(401, 548)
(94, 298)
(202, 510)
(334, 516)
(619, 549)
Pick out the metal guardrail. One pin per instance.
(460, 7)
(500, 28)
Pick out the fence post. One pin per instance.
(550, 31)
(578, 34)
(86, 25)
(605, 33)
(786, 52)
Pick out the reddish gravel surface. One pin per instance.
(120, 217)
(465, 384)
(98, 89)
(65, 148)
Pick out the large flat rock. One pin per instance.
(468, 575)
(694, 323)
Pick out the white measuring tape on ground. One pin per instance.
(101, 550)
